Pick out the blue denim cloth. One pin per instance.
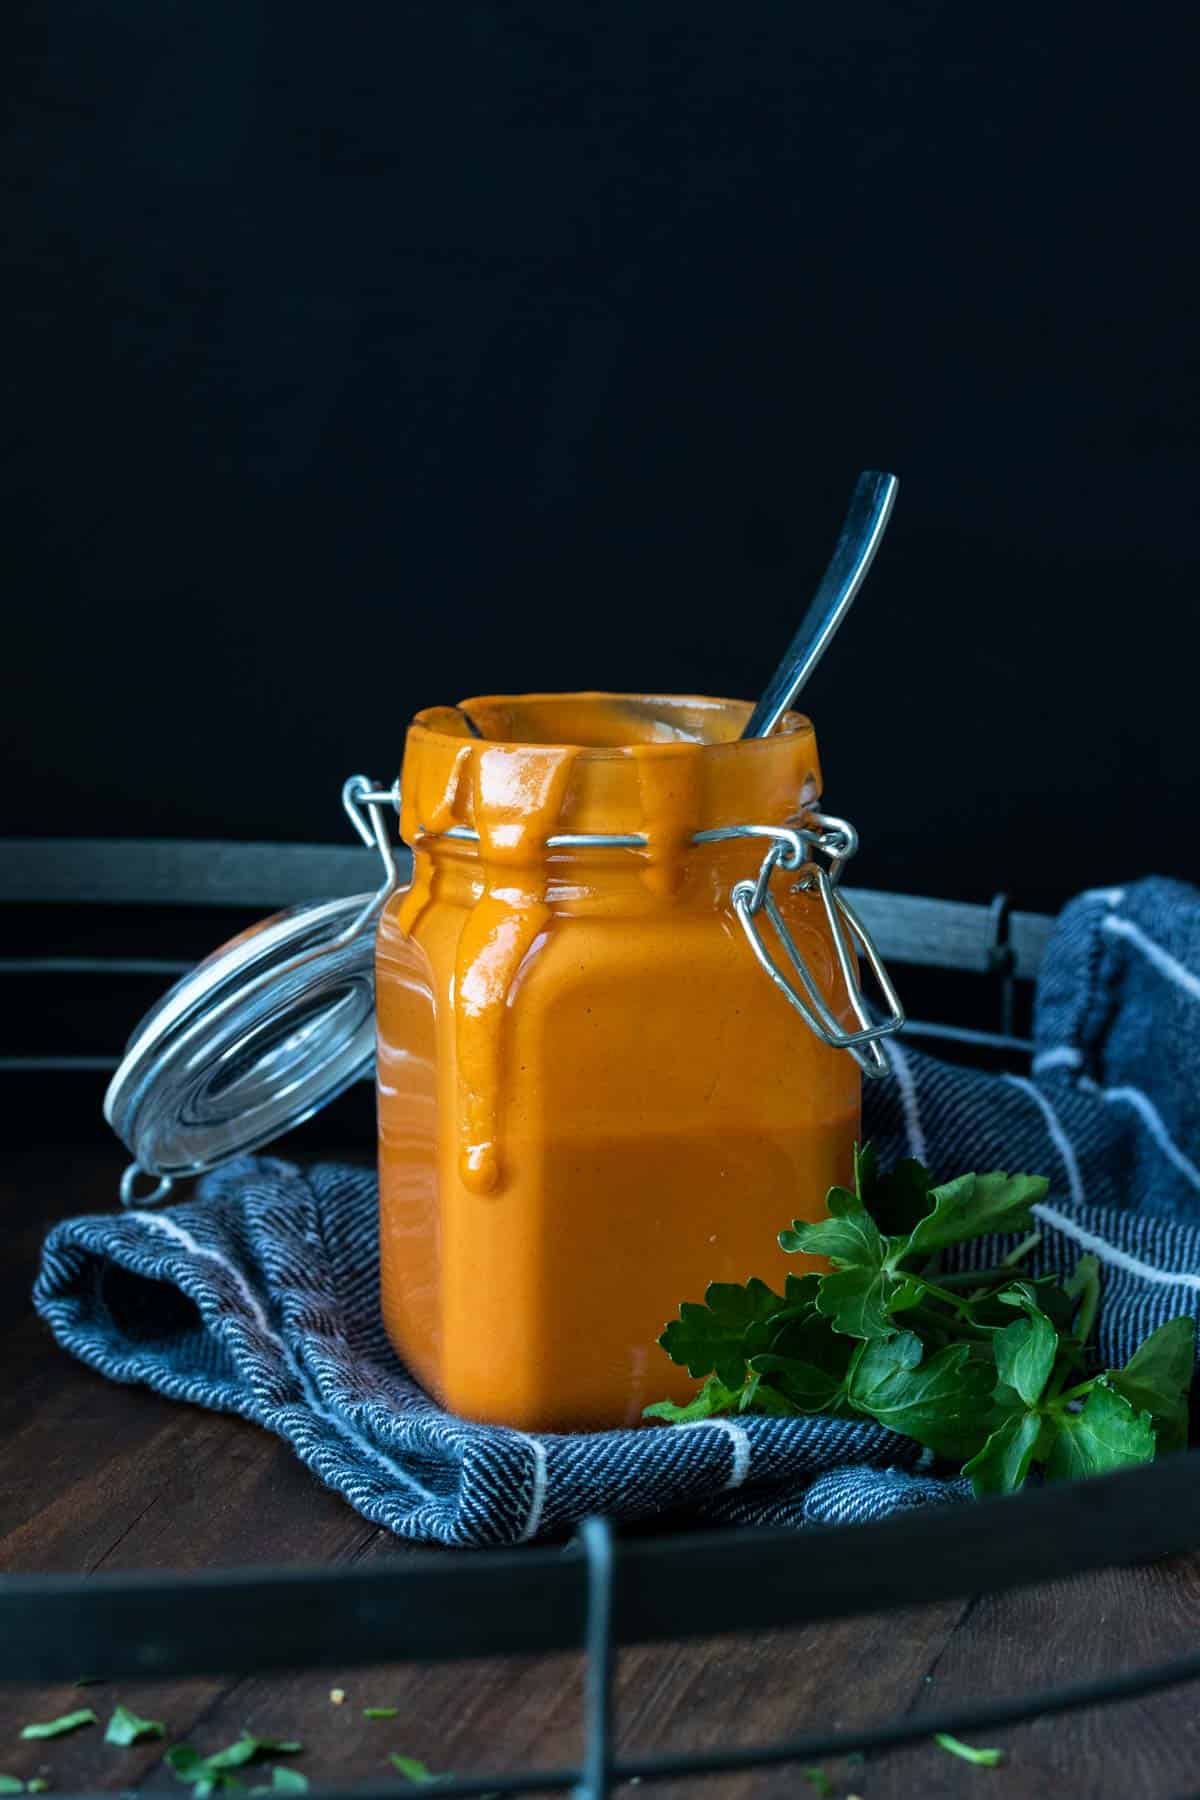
(258, 1295)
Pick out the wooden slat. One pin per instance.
(935, 934)
(1028, 935)
(165, 872)
(948, 934)
(909, 928)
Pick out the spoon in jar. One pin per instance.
(862, 530)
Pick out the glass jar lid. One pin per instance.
(266, 1030)
(263, 1033)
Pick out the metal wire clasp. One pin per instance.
(359, 796)
(838, 840)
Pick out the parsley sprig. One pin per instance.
(989, 1368)
(209, 1775)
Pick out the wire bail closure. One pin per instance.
(838, 840)
(359, 795)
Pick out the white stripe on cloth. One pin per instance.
(1111, 896)
(1058, 1136)
(1065, 1057)
(1109, 1253)
(537, 1498)
(739, 1440)
(908, 1100)
(371, 1451)
(170, 1229)
(1154, 1123)
(1163, 961)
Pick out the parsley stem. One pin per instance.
(959, 1327)
(1075, 1393)
(1086, 1316)
(1070, 1360)
(1020, 1251)
(980, 1278)
(940, 1293)
(972, 1278)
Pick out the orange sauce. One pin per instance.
(591, 1101)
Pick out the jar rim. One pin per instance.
(621, 722)
(674, 765)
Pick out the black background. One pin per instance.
(365, 357)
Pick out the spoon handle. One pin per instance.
(864, 525)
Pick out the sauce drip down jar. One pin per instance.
(594, 1097)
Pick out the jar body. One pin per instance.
(657, 1113)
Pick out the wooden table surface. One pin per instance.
(99, 1477)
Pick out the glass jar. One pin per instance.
(591, 1104)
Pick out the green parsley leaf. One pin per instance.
(900, 1199)
(284, 1781)
(817, 1779)
(1025, 1350)
(856, 1295)
(1157, 1377)
(1106, 1434)
(125, 1727)
(1051, 1299)
(975, 1206)
(757, 1397)
(184, 1760)
(858, 1302)
(942, 1400)
(411, 1769)
(37, 1786)
(713, 1398)
(381, 1712)
(1006, 1458)
(849, 1237)
(809, 1363)
(799, 1297)
(805, 1388)
(10, 1784)
(909, 1292)
(52, 1728)
(208, 1773)
(719, 1336)
(984, 1759)
(247, 1747)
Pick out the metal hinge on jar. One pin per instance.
(838, 840)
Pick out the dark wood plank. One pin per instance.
(1058, 1633)
(96, 1476)
(520, 1712)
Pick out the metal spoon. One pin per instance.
(864, 525)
